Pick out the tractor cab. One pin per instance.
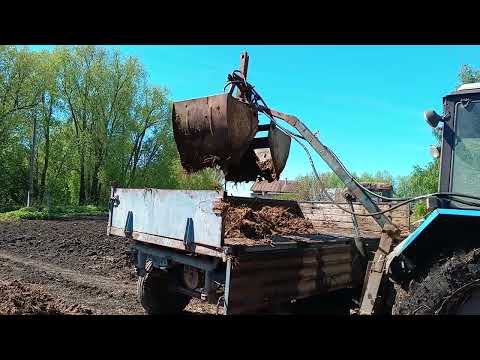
(460, 174)
(460, 147)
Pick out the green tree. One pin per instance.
(19, 92)
(46, 112)
(310, 188)
(468, 75)
(98, 119)
(422, 180)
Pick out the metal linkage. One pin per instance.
(332, 162)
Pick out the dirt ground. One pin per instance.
(73, 267)
(68, 267)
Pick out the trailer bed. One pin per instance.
(258, 270)
(160, 217)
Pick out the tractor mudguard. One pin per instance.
(443, 229)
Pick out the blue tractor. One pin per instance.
(436, 269)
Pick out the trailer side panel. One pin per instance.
(259, 279)
(179, 215)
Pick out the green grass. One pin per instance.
(57, 212)
(287, 196)
(419, 211)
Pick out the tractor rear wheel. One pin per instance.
(451, 287)
(154, 295)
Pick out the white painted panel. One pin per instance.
(165, 213)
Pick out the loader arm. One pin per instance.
(375, 276)
(333, 163)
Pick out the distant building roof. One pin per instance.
(279, 186)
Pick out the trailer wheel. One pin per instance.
(156, 299)
(450, 287)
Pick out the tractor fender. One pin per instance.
(453, 228)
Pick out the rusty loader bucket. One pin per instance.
(219, 131)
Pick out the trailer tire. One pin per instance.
(155, 297)
(449, 287)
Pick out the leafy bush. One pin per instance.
(58, 212)
(310, 188)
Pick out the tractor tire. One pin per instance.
(156, 299)
(450, 287)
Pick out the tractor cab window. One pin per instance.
(466, 157)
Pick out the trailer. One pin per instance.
(182, 252)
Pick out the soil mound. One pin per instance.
(263, 221)
(22, 299)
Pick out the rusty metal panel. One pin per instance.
(165, 213)
(278, 186)
(220, 131)
(259, 280)
(214, 130)
(279, 148)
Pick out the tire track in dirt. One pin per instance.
(75, 261)
(101, 294)
(105, 296)
(74, 276)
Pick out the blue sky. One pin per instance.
(366, 102)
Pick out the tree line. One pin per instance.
(78, 118)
